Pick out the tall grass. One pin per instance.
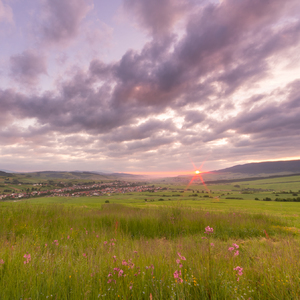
(77, 253)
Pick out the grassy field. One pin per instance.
(83, 248)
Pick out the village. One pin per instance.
(96, 189)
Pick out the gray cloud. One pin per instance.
(157, 16)
(62, 20)
(28, 66)
(193, 117)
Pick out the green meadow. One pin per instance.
(178, 243)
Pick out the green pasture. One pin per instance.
(129, 248)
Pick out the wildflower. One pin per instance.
(1, 261)
(97, 235)
(120, 273)
(124, 263)
(181, 257)
(46, 245)
(105, 242)
(239, 270)
(84, 254)
(235, 246)
(28, 258)
(230, 249)
(177, 261)
(68, 236)
(209, 230)
(177, 274)
(109, 275)
(180, 265)
(130, 287)
(236, 253)
(135, 252)
(212, 244)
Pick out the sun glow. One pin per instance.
(197, 172)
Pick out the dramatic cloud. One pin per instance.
(222, 89)
(62, 20)
(157, 16)
(28, 66)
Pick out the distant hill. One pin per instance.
(7, 171)
(48, 175)
(4, 174)
(268, 167)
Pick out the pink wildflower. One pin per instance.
(109, 281)
(209, 230)
(180, 265)
(124, 263)
(178, 261)
(1, 261)
(68, 236)
(176, 274)
(109, 275)
(97, 235)
(239, 272)
(181, 257)
(120, 273)
(236, 253)
(130, 287)
(212, 244)
(230, 249)
(46, 245)
(235, 246)
(105, 242)
(84, 254)
(28, 258)
(71, 229)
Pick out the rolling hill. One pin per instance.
(269, 167)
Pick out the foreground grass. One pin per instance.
(120, 252)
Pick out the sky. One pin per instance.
(148, 87)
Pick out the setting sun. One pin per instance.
(197, 172)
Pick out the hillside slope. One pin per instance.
(269, 167)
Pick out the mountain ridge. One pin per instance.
(267, 167)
